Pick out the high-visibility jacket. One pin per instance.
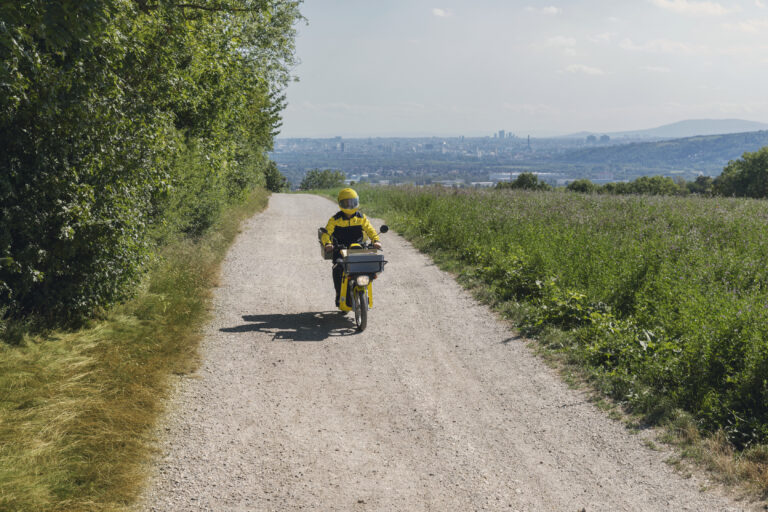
(349, 230)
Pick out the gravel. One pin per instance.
(438, 405)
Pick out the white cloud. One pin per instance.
(606, 37)
(561, 41)
(664, 46)
(549, 11)
(586, 70)
(567, 44)
(760, 4)
(656, 69)
(692, 7)
(750, 26)
(441, 13)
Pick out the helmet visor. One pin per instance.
(349, 204)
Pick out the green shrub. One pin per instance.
(125, 119)
(746, 177)
(584, 186)
(525, 181)
(317, 179)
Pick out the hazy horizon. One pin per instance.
(544, 68)
(491, 133)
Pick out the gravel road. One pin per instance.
(438, 405)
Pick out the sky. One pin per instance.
(540, 67)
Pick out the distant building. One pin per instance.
(501, 134)
(450, 183)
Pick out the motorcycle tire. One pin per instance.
(361, 310)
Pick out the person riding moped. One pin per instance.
(347, 227)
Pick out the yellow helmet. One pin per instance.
(349, 201)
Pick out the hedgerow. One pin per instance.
(124, 122)
(664, 299)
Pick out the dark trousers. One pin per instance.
(338, 272)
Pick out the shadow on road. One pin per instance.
(316, 326)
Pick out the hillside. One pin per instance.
(682, 129)
(694, 127)
(708, 153)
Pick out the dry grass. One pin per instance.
(77, 408)
(746, 470)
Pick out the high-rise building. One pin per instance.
(501, 134)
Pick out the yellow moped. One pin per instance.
(362, 264)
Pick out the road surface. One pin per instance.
(438, 405)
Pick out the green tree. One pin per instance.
(702, 185)
(275, 181)
(526, 181)
(121, 119)
(317, 179)
(746, 177)
(656, 186)
(584, 186)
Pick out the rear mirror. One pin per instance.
(384, 228)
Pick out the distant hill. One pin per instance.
(682, 129)
(708, 153)
(694, 127)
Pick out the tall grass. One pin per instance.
(664, 300)
(77, 408)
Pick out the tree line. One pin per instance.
(745, 177)
(125, 123)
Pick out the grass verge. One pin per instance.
(77, 408)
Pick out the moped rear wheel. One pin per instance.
(361, 310)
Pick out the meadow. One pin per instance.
(662, 300)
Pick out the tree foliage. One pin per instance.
(317, 179)
(647, 185)
(525, 181)
(746, 177)
(275, 180)
(584, 186)
(122, 120)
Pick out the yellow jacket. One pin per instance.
(349, 230)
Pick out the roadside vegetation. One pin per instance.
(663, 301)
(124, 123)
(135, 138)
(325, 179)
(78, 407)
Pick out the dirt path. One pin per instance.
(437, 406)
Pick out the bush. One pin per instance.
(525, 181)
(275, 181)
(746, 177)
(317, 179)
(122, 119)
(584, 186)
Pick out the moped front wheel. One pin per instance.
(361, 309)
